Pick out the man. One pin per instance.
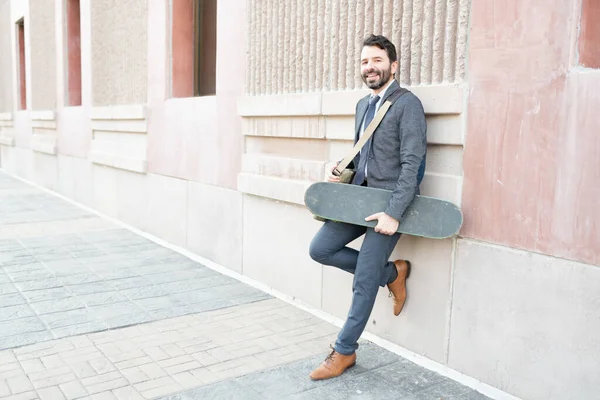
(394, 159)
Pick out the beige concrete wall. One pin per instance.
(300, 46)
(119, 51)
(526, 323)
(6, 60)
(43, 54)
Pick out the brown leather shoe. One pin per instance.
(334, 365)
(398, 287)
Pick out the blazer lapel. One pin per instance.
(360, 115)
(393, 86)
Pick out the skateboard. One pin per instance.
(425, 216)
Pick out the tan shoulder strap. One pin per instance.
(369, 131)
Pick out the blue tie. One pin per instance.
(359, 177)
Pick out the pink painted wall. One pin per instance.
(532, 126)
(182, 45)
(197, 138)
(74, 52)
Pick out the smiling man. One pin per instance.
(393, 159)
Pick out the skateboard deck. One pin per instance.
(426, 216)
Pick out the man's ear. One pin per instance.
(394, 67)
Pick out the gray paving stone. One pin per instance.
(46, 294)
(180, 275)
(171, 312)
(20, 326)
(221, 391)
(213, 304)
(38, 274)
(129, 319)
(117, 273)
(24, 339)
(145, 292)
(447, 390)
(38, 284)
(7, 288)
(409, 377)
(364, 386)
(155, 303)
(78, 329)
(78, 279)
(94, 287)
(20, 260)
(12, 299)
(86, 253)
(112, 310)
(99, 299)
(8, 313)
(66, 318)
(200, 283)
(196, 296)
(57, 305)
(151, 268)
(32, 266)
(129, 283)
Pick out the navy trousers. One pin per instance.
(370, 267)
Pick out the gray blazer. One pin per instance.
(398, 147)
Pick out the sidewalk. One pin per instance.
(93, 311)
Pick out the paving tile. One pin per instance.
(38, 285)
(221, 391)
(105, 298)
(57, 305)
(12, 299)
(78, 329)
(21, 326)
(14, 312)
(47, 294)
(7, 288)
(73, 390)
(38, 274)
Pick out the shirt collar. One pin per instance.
(382, 93)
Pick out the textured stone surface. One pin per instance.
(41, 29)
(119, 51)
(304, 45)
(378, 374)
(56, 283)
(6, 82)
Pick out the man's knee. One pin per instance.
(318, 252)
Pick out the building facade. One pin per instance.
(203, 122)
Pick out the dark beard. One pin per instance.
(384, 77)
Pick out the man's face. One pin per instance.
(375, 67)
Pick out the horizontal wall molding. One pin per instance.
(135, 111)
(119, 162)
(280, 105)
(310, 127)
(128, 118)
(7, 141)
(47, 115)
(290, 191)
(5, 117)
(44, 143)
(133, 126)
(437, 100)
(282, 167)
(43, 119)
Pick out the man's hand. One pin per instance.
(385, 224)
(330, 176)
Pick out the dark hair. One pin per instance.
(384, 44)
